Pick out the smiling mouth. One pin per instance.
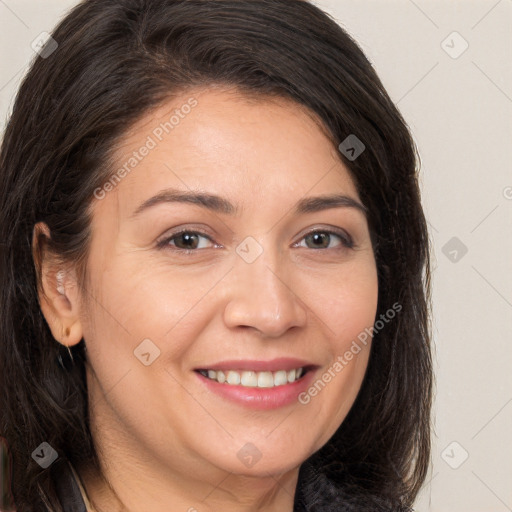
(254, 379)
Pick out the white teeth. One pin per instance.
(233, 377)
(254, 379)
(280, 378)
(265, 380)
(249, 379)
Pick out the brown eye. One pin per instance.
(321, 239)
(185, 241)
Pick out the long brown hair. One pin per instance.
(115, 60)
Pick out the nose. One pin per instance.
(262, 296)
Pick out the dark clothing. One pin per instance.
(313, 489)
(67, 488)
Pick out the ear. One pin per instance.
(58, 290)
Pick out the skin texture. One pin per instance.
(164, 441)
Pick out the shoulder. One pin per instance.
(318, 493)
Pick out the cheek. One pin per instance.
(347, 305)
(138, 299)
(346, 301)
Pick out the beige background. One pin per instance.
(459, 108)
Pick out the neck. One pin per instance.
(141, 489)
(133, 476)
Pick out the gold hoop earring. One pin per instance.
(71, 355)
(64, 363)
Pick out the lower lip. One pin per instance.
(260, 398)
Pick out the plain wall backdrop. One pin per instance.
(447, 64)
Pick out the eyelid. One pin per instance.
(163, 241)
(346, 239)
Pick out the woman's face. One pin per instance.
(248, 286)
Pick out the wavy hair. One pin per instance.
(116, 60)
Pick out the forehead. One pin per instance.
(224, 142)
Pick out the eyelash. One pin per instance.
(345, 238)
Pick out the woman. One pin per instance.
(215, 271)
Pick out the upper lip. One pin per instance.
(281, 363)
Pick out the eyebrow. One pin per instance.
(221, 205)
